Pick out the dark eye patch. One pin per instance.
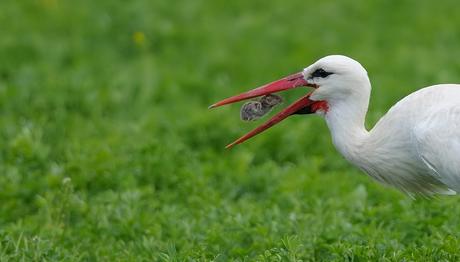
(321, 73)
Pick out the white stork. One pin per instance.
(415, 147)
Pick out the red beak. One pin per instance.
(300, 106)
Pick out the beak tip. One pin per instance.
(229, 146)
(212, 106)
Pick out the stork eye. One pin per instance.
(321, 73)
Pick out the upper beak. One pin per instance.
(301, 105)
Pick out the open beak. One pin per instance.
(301, 106)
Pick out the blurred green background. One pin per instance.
(109, 153)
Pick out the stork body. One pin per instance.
(415, 147)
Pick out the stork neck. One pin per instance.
(346, 124)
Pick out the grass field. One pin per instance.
(109, 153)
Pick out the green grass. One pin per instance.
(109, 153)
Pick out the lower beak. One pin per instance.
(302, 105)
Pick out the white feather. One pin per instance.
(415, 147)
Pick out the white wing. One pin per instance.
(438, 143)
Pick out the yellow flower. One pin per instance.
(49, 3)
(139, 38)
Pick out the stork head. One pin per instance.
(335, 79)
